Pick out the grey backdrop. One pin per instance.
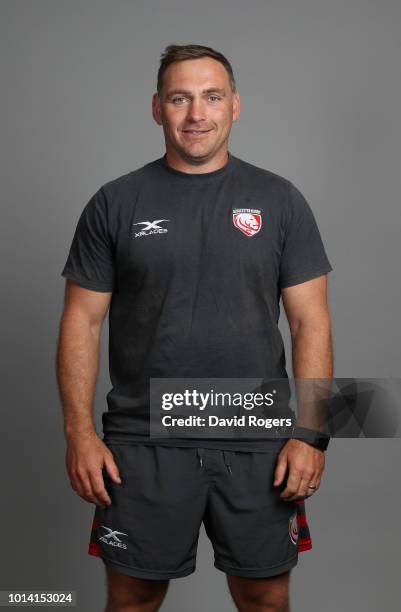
(320, 86)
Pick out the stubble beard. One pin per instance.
(197, 156)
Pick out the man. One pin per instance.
(192, 253)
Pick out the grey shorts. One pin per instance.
(151, 529)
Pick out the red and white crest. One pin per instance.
(247, 220)
(293, 528)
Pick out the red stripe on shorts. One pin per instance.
(304, 543)
(94, 549)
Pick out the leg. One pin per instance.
(129, 594)
(253, 532)
(260, 594)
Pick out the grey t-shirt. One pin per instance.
(195, 264)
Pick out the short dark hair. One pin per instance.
(177, 53)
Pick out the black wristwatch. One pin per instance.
(311, 436)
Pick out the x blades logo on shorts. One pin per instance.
(113, 534)
(111, 538)
(247, 220)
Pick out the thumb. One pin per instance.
(112, 470)
(281, 469)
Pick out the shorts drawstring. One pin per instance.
(200, 453)
(226, 454)
(227, 461)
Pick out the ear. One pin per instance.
(156, 111)
(236, 106)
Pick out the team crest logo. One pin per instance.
(293, 528)
(247, 220)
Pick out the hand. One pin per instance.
(305, 465)
(85, 459)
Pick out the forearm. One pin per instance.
(77, 369)
(312, 352)
(312, 356)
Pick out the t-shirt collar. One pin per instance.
(198, 177)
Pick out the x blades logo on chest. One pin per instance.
(247, 220)
(148, 228)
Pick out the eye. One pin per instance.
(178, 99)
(214, 98)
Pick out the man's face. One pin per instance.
(196, 108)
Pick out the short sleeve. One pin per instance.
(303, 256)
(90, 260)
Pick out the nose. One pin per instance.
(196, 111)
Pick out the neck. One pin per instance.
(196, 166)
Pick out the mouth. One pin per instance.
(196, 132)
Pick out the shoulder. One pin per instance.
(284, 196)
(262, 177)
(114, 198)
(129, 182)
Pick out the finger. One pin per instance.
(313, 490)
(291, 489)
(314, 482)
(112, 470)
(318, 478)
(303, 490)
(84, 487)
(98, 489)
(281, 469)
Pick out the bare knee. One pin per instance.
(130, 594)
(260, 594)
